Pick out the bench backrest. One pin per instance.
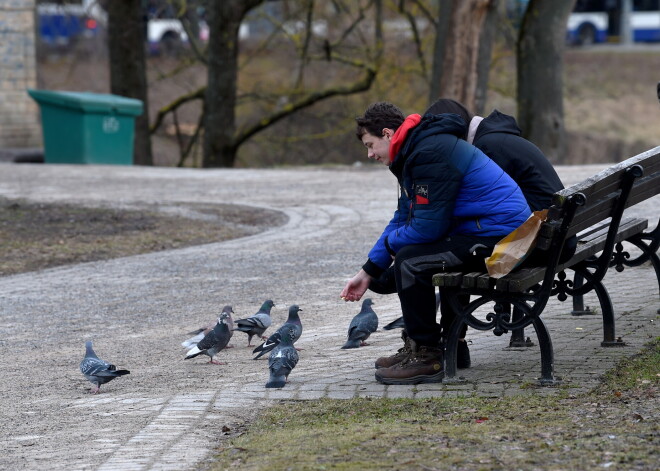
(600, 196)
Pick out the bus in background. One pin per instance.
(599, 21)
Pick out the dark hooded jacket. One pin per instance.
(448, 187)
(499, 137)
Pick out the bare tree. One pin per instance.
(222, 135)
(540, 70)
(126, 39)
(462, 49)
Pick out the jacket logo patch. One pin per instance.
(421, 194)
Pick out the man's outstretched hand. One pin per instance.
(356, 287)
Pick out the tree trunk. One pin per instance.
(441, 33)
(486, 40)
(459, 78)
(220, 99)
(540, 75)
(126, 38)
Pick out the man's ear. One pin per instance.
(387, 132)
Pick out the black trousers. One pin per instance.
(410, 277)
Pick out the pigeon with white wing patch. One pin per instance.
(282, 360)
(292, 322)
(216, 340)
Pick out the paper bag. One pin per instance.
(511, 251)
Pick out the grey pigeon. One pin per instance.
(97, 371)
(362, 326)
(292, 323)
(256, 324)
(282, 360)
(395, 324)
(216, 340)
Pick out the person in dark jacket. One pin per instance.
(499, 137)
(454, 200)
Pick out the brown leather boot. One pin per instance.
(398, 357)
(423, 365)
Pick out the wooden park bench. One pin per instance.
(593, 210)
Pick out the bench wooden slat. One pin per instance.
(606, 181)
(470, 279)
(485, 282)
(448, 280)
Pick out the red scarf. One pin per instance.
(400, 135)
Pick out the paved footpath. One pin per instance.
(171, 414)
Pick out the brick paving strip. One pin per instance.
(171, 414)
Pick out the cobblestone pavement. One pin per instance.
(171, 414)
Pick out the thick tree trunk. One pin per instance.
(460, 77)
(126, 37)
(540, 75)
(220, 99)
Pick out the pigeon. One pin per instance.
(216, 340)
(197, 335)
(256, 324)
(282, 359)
(362, 326)
(293, 323)
(97, 371)
(395, 324)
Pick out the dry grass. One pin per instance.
(614, 426)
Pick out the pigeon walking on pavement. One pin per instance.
(282, 360)
(362, 326)
(256, 324)
(292, 323)
(97, 371)
(199, 334)
(216, 340)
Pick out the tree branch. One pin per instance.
(304, 102)
(196, 95)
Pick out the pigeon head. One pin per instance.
(267, 305)
(228, 309)
(367, 302)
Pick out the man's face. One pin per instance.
(378, 148)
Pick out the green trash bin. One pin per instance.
(87, 128)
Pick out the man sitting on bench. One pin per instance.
(454, 200)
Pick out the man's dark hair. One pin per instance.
(379, 116)
(447, 105)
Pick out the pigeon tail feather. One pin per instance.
(193, 352)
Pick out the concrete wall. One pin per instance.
(20, 124)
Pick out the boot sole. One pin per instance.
(420, 379)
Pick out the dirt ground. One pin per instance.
(37, 236)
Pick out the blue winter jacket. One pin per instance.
(448, 187)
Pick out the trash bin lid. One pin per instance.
(89, 102)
